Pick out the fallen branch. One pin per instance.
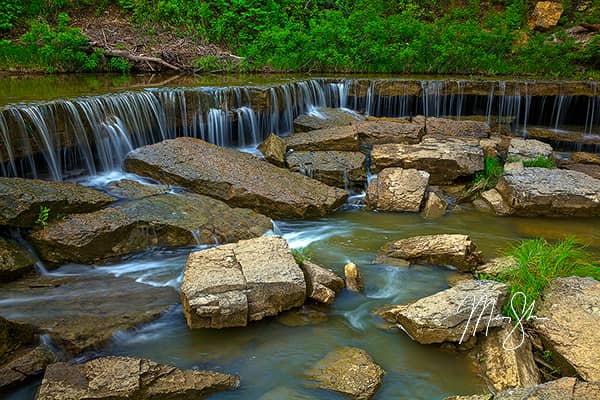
(129, 56)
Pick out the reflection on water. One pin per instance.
(271, 356)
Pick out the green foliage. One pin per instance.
(120, 65)
(488, 178)
(43, 217)
(538, 263)
(302, 255)
(542, 162)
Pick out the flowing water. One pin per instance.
(271, 356)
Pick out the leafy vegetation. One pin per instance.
(43, 217)
(415, 36)
(542, 162)
(301, 255)
(488, 178)
(538, 263)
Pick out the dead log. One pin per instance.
(132, 57)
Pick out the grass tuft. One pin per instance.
(542, 162)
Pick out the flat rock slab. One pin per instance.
(550, 192)
(592, 170)
(383, 131)
(451, 315)
(124, 378)
(233, 284)
(129, 189)
(398, 189)
(443, 127)
(445, 249)
(237, 178)
(343, 138)
(349, 371)
(21, 199)
(528, 149)
(169, 220)
(83, 313)
(445, 160)
(324, 117)
(14, 261)
(344, 169)
(572, 308)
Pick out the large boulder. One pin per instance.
(543, 191)
(546, 15)
(237, 283)
(443, 127)
(123, 378)
(170, 220)
(446, 249)
(273, 149)
(434, 207)
(528, 149)
(344, 169)
(568, 321)
(14, 261)
(21, 200)
(237, 178)
(455, 314)
(321, 284)
(349, 371)
(323, 117)
(506, 359)
(76, 314)
(398, 189)
(343, 138)
(560, 389)
(445, 160)
(383, 131)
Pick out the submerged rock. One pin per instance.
(128, 189)
(452, 315)
(14, 261)
(233, 284)
(344, 169)
(308, 314)
(21, 199)
(528, 149)
(158, 221)
(543, 191)
(273, 149)
(506, 359)
(322, 284)
(571, 307)
(237, 178)
(397, 189)
(344, 138)
(354, 278)
(83, 313)
(324, 117)
(445, 160)
(349, 371)
(446, 249)
(383, 131)
(121, 378)
(435, 206)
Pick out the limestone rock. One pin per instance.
(239, 179)
(543, 191)
(273, 148)
(445, 249)
(528, 149)
(457, 278)
(344, 169)
(507, 359)
(321, 284)
(169, 220)
(343, 138)
(25, 365)
(14, 336)
(513, 166)
(496, 202)
(445, 160)
(572, 308)
(21, 199)
(546, 15)
(447, 316)
(585, 158)
(14, 261)
(397, 189)
(354, 278)
(121, 378)
(435, 206)
(323, 117)
(385, 131)
(443, 127)
(349, 371)
(498, 265)
(128, 189)
(237, 283)
(588, 169)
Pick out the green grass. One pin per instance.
(542, 162)
(492, 171)
(538, 263)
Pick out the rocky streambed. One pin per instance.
(202, 269)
